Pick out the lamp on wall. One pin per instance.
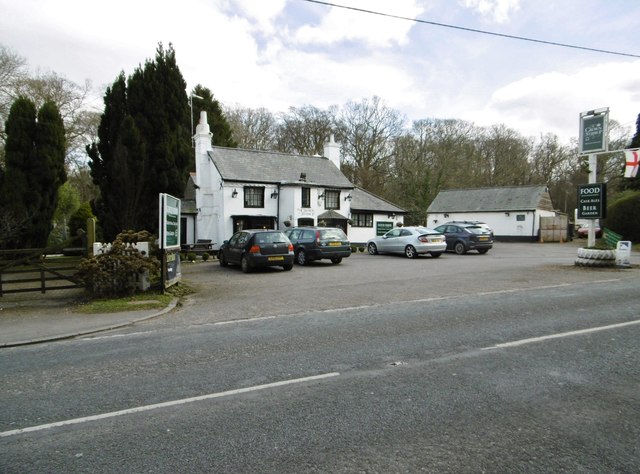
(274, 194)
(446, 215)
(507, 214)
(348, 197)
(320, 196)
(234, 194)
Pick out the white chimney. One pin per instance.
(203, 135)
(332, 151)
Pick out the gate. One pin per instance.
(30, 270)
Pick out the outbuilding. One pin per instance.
(513, 212)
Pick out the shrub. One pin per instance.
(191, 256)
(112, 274)
(623, 216)
(205, 256)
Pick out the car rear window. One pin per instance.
(476, 229)
(332, 234)
(270, 237)
(425, 231)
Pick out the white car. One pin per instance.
(410, 241)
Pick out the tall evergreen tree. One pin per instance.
(35, 153)
(20, 129)
(143, 145)
(218, 124)
(48, 171)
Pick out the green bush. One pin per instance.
(191, 257)
(112, 274)
(205, 256)
(623, 216)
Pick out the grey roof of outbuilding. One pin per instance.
(507, 198)
(235, 164)
(365, 201)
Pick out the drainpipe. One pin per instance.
(278, 208)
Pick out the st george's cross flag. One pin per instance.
(632, 157)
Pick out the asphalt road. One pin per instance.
(514, 361)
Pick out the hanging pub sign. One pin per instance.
(594, 131)
(592, 201)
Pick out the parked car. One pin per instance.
(582, 231)
(464, 237)
(316, 243)
(254, 248)
(478, 223)
(410, 241)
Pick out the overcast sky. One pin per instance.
(283, 53)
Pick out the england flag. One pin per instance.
(632, 157)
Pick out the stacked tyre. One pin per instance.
(596, 258)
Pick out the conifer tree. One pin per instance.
(220, 128)
(143, 145)
(35, 152)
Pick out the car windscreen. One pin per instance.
(332, 234)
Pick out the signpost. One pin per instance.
(169, 241)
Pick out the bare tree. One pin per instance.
(253, 129)
(304, 130)
(367, 131)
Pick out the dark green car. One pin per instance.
(316, 243)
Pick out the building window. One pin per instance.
(331, 199)
(360, 219)
(306, 197)
(253, 197)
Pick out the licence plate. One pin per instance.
(483, 238)
(436, 241)
(275, 259)
(335, 244)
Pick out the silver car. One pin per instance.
(410, 241)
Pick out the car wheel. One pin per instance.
(459, 248)
(223, 260)
(301, 257)
(436, 254)
(410, 251)
(287, 267)
(244, 264)
(483, 251)
(336, 260)
(372, 249)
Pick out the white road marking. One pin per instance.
(532, 340)
(172, 403)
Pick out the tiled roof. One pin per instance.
(236, 164)
(365, 201)
(508, 198)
